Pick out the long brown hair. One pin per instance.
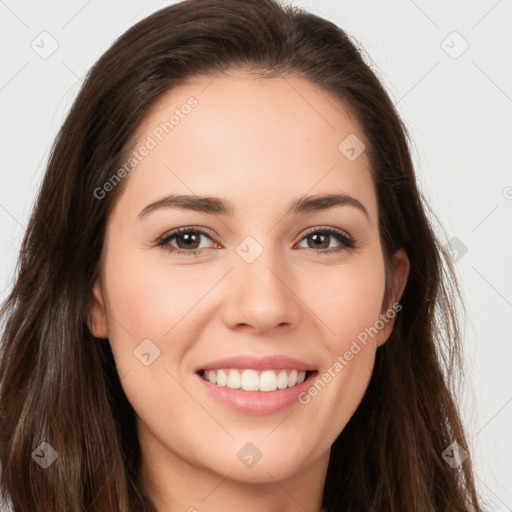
(59, 384)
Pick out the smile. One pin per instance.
(255, 380)
(255, 392)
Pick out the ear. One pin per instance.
(97, 317)
(398, 280)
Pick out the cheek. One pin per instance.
(348, 300)
(153, 301)
(148, 298)
(149, 328)
(349, 307)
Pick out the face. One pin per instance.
(286, 294)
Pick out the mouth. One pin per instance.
(254, 380)
(254, 391)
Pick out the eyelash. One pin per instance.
(347, 242)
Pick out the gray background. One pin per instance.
(455, 101)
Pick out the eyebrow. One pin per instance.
(218, 206)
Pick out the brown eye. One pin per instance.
(189, 241)
(320, 239)
(184, 241)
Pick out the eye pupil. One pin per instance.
(319, 238)
(188, 238)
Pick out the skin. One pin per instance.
(258, 143)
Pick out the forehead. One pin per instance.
(257, 142)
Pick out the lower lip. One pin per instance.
(257, 402)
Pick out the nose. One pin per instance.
(260, 296)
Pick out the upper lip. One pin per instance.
(261, 363)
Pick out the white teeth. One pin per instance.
(268, 381)
(253, 380)
(250, 380)
(222, 378)
(282, 379)
(234, 380)
(211, 376)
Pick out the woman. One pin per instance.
(180, 338)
